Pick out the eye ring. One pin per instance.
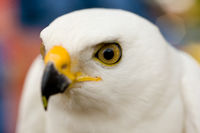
(108, 53)
(42, 50)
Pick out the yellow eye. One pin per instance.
(42, 50)
(108, 53)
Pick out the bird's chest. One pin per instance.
(169, 121)
(69, 124)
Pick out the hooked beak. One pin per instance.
(57, 76)
(52, 83)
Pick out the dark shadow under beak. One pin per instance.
(52, 83)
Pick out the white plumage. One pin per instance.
(153, 89)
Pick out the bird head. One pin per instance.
(103, 60)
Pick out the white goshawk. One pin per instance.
(109, 71)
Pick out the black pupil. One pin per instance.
(108, 53)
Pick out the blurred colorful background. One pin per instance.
(22, 20)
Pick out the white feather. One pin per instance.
(31, 117)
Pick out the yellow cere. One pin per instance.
(61, 60)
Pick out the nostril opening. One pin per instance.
(64, 66)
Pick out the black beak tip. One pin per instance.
(52, 83)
